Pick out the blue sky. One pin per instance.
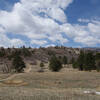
(56, 22)
(85, 9)
(7, 4)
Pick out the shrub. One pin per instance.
(75, 64)
(40, 70)
(41, 64)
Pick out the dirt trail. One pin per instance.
(10, 77)
(26, 70)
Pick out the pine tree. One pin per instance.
(80, 61)
(89, 62)
(64, 60)
(18, 63)
(97, 56)
(26, 52)
(55, 64)
(98, 65)
(2, 52)
(97, 61)
(72, 61)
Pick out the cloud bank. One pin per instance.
(44, 22)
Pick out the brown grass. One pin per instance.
(64, 85)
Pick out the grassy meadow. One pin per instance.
(68, 84)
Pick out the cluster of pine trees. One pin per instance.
(55, 63)
(87, 61)
(16, 57)
(18, 62)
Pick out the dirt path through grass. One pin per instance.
(26, 70)
(10, 77)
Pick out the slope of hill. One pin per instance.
(32, 55)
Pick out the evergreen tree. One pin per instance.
(97, 56)
(51, 53)
(97, 61)
(80, 61)
(25, 51)
(55, 64)
(18, 63)
(2, 52)
(72, 61)
(98, 65)
(85, 61)
(64, 60)
(89, 62)
(14, 54)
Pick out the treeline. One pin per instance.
(87, 61)
(11, 52)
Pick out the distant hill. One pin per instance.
(31, 55)
(92, 49)
(44, 53)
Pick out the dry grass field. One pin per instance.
(68, 84)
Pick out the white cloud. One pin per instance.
(37, 20)
(38, 42)
(94, 28)
(16, 42)
(57, 14)
(87, 35)
(59, 38)
(7, 42)
(89, 41)
(83, 20)
(50, 45)
(25, 19)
